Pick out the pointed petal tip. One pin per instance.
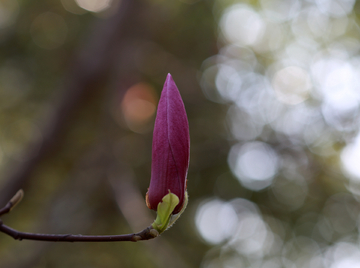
(169, 77)
(169, 83)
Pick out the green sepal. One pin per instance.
(174, 217)
(164, 212)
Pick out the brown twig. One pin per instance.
(146, 234)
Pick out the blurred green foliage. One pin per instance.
(272, 96)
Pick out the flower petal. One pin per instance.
(171, 148)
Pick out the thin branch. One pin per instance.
(6, 209)
(146, 234)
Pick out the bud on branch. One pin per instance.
(167, 191)
(170, 149)
(170, 157)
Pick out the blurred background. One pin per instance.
(272, 92)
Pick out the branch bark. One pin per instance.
(146, 234)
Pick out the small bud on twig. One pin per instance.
(16, 198)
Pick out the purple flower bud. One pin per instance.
(170, 148)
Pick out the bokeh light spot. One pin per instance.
(73, 7)
(215, 221)
(254, 164)
(242, 25)
(94, 5)
(350, 158)
(343, 255)
(138, 107)
(292, 85)
(280, 10)
(336, 8)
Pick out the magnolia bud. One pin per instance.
(170, 149)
